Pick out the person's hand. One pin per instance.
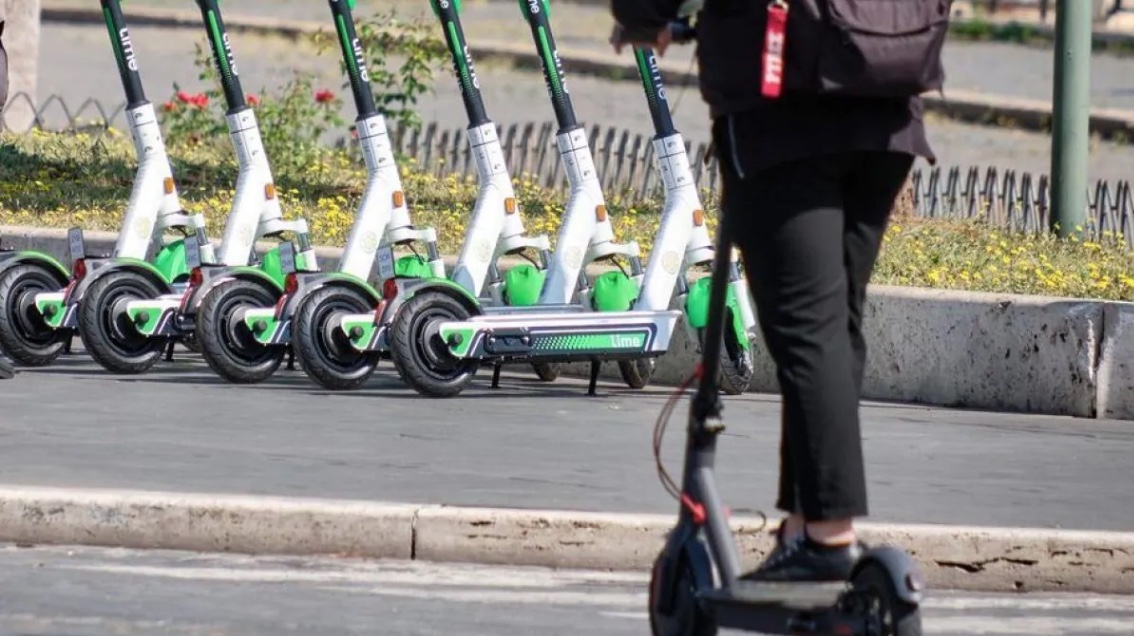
(659, 41)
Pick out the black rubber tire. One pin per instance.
(24, 336)
(547, 371)
(689, 617)
(422, 363)
(736, 367)
(7, 369)
(328, 357)
(227, 344)
(110, 339)
(637, 373)
(899, 618)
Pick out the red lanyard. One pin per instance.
(775, 38)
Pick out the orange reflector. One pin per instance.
(79, 269)
(196, 276)
(698, 217)
(600, 213)
(399, 198)
(509, 206)
(168, 185)
(291, 283)
(270, 191)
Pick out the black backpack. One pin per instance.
(866, 48)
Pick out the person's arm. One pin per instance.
(643, 23)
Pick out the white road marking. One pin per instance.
(1021, 625)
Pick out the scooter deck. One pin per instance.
(807, 596)
(584, 318)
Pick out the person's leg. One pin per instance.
(789, 225)
(871, 187)
(870, 193)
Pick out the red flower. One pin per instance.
(324, 96)
(184, 98)
(167, 107)
(200, 100)
(253, 100)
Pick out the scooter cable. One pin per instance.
(659, 434)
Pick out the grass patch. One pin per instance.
(60, 180)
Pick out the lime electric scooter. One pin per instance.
(244, 341)
(130, 314)
(682, 232)
(438, 343)
(339, 348)
(39, 296)
(695, 586)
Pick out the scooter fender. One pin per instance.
(682, 545)
(410, 287)
(97, 268)
(309, 283)
(697, 309)
(213, 276)
(13, 258)
(903, 570)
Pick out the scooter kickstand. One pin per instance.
(596, 366)
(291, 360)
(169, 350)
(496, 375)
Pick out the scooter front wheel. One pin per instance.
(683, 614)
(227, 343)
(736, 366)
(896, 617)
(420, 355)
(547, 371)
(323, 350)
(106, 330)
(24, 335)
(637, 373)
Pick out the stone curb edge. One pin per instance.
(1033, 115)
(978, 559)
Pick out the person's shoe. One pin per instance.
(804, 560)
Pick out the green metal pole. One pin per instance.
(1070, 140)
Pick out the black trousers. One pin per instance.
(810, 232)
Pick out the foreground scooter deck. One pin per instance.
(778, 608)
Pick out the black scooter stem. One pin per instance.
(124, 54)
(448, 12)
(536, 13)
(222, 56)
(352, 55)
(655, 92)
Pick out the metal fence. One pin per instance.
(1016, 201)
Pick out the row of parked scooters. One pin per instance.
(246, 312)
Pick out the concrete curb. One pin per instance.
(1034, 115)
(953, 557)
(999, 352)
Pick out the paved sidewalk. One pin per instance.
(530, 445)
(50, 590)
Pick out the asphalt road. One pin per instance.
(91, 592)
(529, 445)
(83, 69)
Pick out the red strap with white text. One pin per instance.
(775, 38)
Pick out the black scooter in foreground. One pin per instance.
(694, 585)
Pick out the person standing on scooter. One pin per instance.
(816, 123)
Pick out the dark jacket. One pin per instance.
(754, 132)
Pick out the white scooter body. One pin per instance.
(255, 212)
(153, 208)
